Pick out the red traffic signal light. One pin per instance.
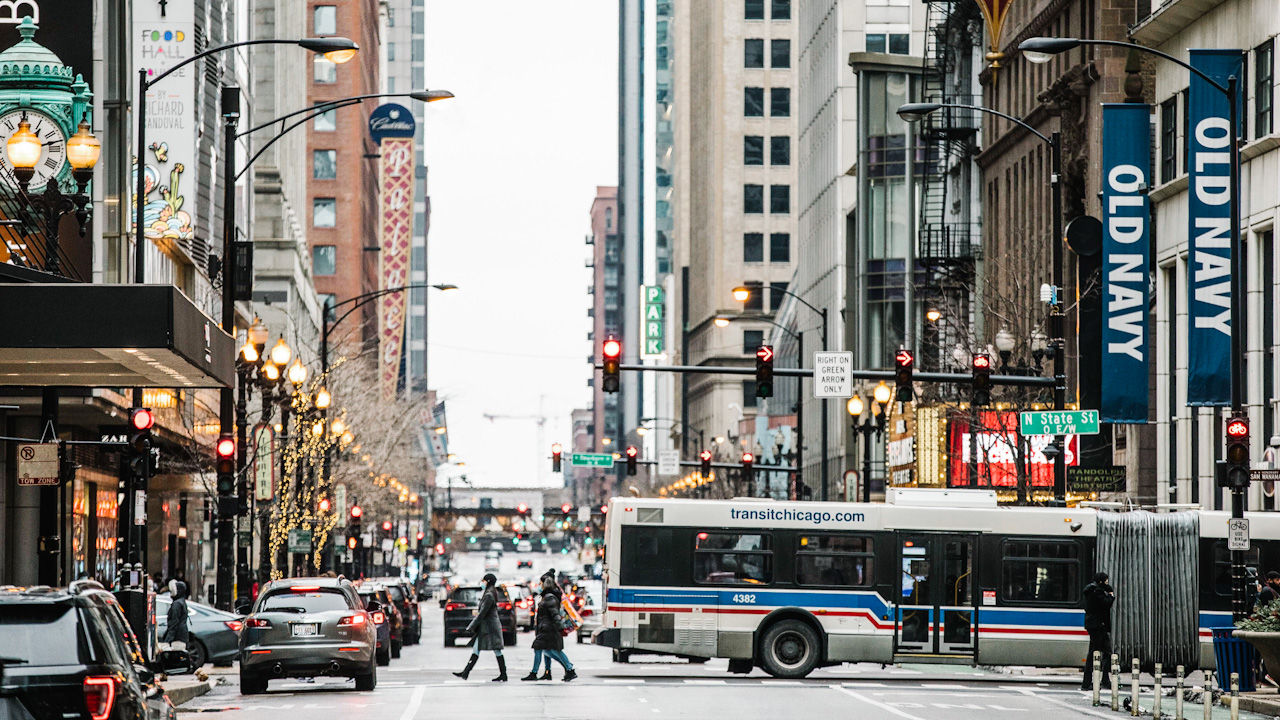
(556, 453)
(981, 361)
(351, 542)
(566, 508)
(981, 379)
(225, 463)
(904, 364)
(748, 466)
(748, 457)
(356, 511)
(324, 505)
(141, 419)
(439, 548)
(612, 348)
(904, 358)
(764, 371)
(522, 509)
(604, 509)
(421, 535)
(705, 457)
(226, 447)
(386, 525)
(1238, 428)
(632, 452)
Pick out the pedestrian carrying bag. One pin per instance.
(570, 620)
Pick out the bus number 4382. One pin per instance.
(741, 598)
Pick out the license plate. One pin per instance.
(305, 629)
(475, 612)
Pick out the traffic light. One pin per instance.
(981, 379)
(612, 351)
(225, 460)
(632, 452)
(386, 526)
(904, 364)
(566, 508)
(439, 548)
(1237, 465)
(324, 505)
(748, 466)
(764, 371)
(352, 540)
(141, 421)
(705, 457)
(556, 452)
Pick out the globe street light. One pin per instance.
(281, 353)
(24, 150)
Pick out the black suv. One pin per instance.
(461, 606)
(71, 654)
(406, 600)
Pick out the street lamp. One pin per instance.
(933, 315)
(869, 429)
(297, 373)
(24, 150)
(281, 353)
(882, 394)
(914, 112)
(1004, 344)
(742, 294)
(323, 399)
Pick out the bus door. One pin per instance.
(936, 613)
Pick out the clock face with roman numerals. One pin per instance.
(54, 154)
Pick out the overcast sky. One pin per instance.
(514, 161)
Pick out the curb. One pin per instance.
(181, 692)
(1262, 706)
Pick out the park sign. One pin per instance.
(591, 459)
(1059, 422)
(653, 320)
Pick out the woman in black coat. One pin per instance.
(548, 639)
(487, 627)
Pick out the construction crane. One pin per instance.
(542, 423)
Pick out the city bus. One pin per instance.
(936, 576)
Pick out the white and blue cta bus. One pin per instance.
(941, 576)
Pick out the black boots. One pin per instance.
(530, 677)
(502, 670)
(572, 674)
(546, 675)
(466, 672)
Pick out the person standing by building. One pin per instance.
(487, 629)
(177, 633)
(1098, 599)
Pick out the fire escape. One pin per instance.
(950, 240)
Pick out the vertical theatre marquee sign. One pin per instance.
(392, 127)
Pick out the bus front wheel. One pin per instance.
(789, 649)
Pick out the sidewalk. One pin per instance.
(1265, 701)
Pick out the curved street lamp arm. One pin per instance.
(361, 300)
(1010, 118)
(801, 300)
(1157, 53)
(212, 51)
(316, 110)
(780, 326)
(326, 106)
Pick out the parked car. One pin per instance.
(462, 605)
(524, 546)
(304, 627)
(497, 547)
(522, 601)
(590, 613)
(71, 654)
(406, 601)
(388, 615)
(492, 562)
(215, 634)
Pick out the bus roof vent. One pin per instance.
(941, 497)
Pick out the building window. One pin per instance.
(330, 301)
(749, 399)
(608, 219)
(391, 52)
(780, 54)
(325, 71)
(779, 199)
(751, 341)
(324, 260)
(781, 9)
(753, 54)
(753, 247)
(753, 102)
(1263, 89)
(1186, 148)
(780, 247)
(780, 102)
(753, 198)
(326, 121)
(777, 293)
(324, 212)
(324, 164)
(755, 296)
(780, 150)
(754, 10)
(325, 19)
(753, 150)
(894, 43)
(419, 22)
(1168, 139)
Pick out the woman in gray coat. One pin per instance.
(487, 627)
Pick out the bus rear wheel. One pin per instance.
(789, 649)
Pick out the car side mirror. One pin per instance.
(146, 673)
(373, 606)
(243, 606)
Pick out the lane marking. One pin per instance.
(869, 701)
(1069, 706)
(862, 684)
(706, 682)
(414, 703)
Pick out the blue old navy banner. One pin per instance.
(1126, 160)
(1209, 229)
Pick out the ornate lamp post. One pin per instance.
(83, 149)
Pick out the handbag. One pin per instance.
(570, 620)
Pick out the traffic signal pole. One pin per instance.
(228, 506)
(928, 377)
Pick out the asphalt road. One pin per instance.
(419, 686)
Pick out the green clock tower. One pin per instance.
(34, 82)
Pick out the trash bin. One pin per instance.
(1234, 655)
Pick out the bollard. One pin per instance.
(1177, 705)
(1208, 695)
(1134, 674)
(1096, 671)
(1235, 696)
(1115, 682)
(1159, 688)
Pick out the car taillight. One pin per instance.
(235, 625)
(355, 620)
(504, 606)
(379, 618)
(257, 623)
(454, 606)
(586, 612)
(99, 696)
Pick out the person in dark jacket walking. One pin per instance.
(487, 627)
(548, 638)
(1098, 599)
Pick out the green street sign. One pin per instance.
(1059, 422)
(653, 320)
(591, 459)
(299, 541)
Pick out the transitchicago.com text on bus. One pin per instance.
(785, 515)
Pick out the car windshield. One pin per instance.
(305, 601)
(40, 634)
(397, 593)
(466, 595)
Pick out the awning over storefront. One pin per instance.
(87, 335)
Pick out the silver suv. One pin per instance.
(304, 627)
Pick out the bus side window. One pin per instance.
(733, 559)
(835, 560)
(1040, 572)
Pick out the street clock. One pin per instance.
(53, 141)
